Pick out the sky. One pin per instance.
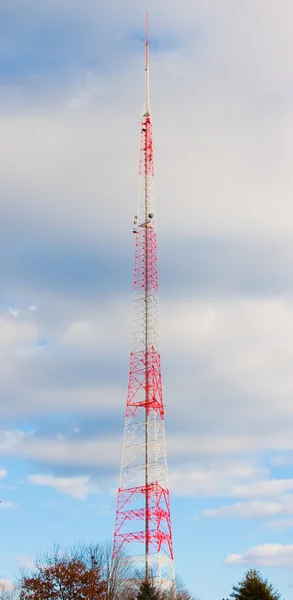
(71, 99)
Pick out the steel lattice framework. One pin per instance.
(143, 522)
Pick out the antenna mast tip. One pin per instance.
(147, 39)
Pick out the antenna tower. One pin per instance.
(143, 522)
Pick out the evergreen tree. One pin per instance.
(147, 591)
(254, 587)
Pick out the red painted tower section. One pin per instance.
(143, 521)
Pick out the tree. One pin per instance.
(254, 587)
(63, 575)
(84, 571)
(88, 572)
(117, 571)
(148, 591)
(7, 590)
(179, 591)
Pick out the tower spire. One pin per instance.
(147, 70)
(143, 520)
(147, 40)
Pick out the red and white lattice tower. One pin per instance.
(143, 523)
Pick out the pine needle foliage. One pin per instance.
(254, 587)
(148, 591)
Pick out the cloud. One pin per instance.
(237, 361)
(10, 439)
(243, 135)
(6, 584)
(224, 203)
(94, 452)
(272, 487)
(267, 555)
(227, 444)
(226, 322)
(77, 487)
(215, 479)
(3, 473)
(283, 460)
(280, 525)
(245, 510)
(32, 307)
(26, 562)
(224, 349)
(7, 504)
(99, 446)
(231, 479)
(81, 332)
(255, 509)
(16, 334)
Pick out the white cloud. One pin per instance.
(77, 487)
(271, 487)
(284, 460)
(82, 332)
(280, 525)
(14, 334)
(234, 479)
(6, 584)
(106, 450)
(244, 349)
(7, 504)
(241, 345)
(229, 171)
(217, 479)
(9, 440)
(254, 509)
(32, 307)
(239, 131)
(100, 451)
(3, 473)
(246, 510)
(238, 344)
(244, 336)
(26, 562)
(225, 444)
(267, 555)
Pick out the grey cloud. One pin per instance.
(223, 165)
(230, 167)
(222, 355)
(43, 261)
(230, 265)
